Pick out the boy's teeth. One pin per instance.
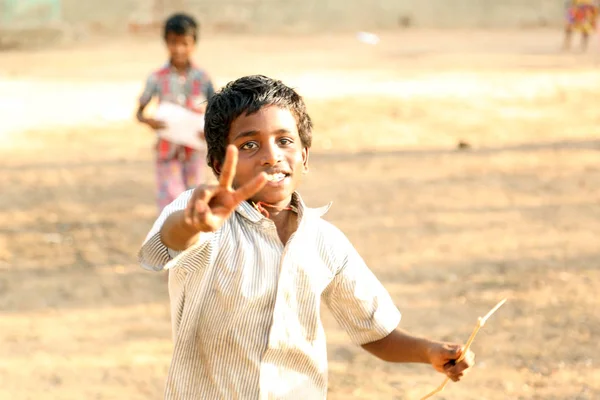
(275, 177)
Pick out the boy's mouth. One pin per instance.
(277, 177)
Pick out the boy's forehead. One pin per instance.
(179, 36)
(267, 116)
(268, 119)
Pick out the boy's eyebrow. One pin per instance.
(255, 132)
(245, 134)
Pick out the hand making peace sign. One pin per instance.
(211, 205)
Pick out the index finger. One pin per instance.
(250, 188)
(229, 165)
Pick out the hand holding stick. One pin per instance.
(480, 323)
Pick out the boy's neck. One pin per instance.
(284, 215)
(181, 67)
(286, 222)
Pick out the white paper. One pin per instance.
(367, 37)
(182, 125)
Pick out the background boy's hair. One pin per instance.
(181, 24)
(247, 95)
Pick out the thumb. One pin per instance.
(453, 351)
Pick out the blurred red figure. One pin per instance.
(581, 16)
(178, 168)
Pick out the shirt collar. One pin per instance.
(247, 210)
(174, 70)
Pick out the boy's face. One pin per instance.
(269, 141)
(180, 48)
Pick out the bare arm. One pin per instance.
(151, 122)
(402, 347)
(365, 310)
(150, 91)
(140, 112)
(209, 206)
(177, 234)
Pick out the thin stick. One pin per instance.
(480, 323)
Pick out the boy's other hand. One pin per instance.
(155, 123)
(443, 357)
(211, 205)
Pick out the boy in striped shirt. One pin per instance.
(250, 265)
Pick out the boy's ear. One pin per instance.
(305, 154)
(217, 167)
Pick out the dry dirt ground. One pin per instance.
(448, 232)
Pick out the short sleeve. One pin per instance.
(150, 90)
(154, 255)
(359, 302)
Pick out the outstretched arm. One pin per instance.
(403, 347)
(363, 307)
(209, 206)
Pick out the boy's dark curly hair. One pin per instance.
(247, 95)
(181, 24)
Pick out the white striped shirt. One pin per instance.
(246, 309)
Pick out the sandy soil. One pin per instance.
(449, 232)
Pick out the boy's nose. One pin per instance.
(271, 154)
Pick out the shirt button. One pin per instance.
(182, 79)
(181, 99)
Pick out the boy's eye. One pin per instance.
(285, 141)
(248, 146)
